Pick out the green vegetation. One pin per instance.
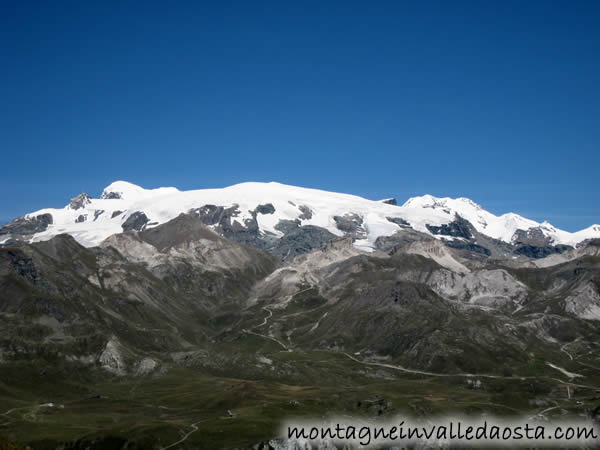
(92, 410)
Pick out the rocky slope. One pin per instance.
(143, 298)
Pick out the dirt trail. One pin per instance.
(194, 427)
(467, 375)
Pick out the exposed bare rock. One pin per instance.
(584, 302)
(136, 221)
(111, 359)
(80, 201)
(145, 366)
(483, 287)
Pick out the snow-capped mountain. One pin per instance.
(123, 206)
(501, 227)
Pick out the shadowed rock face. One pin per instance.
(351, 224)
(22, 227)
(299, 239)
(223, 221)
(264, 209)
(399, 221)
(348, 223)
(137, 221)
(457, 228)
(533, 237)
(533, 251)
(534, 244)
(182, 229)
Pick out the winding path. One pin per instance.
(194, 427)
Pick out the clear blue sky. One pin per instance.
(496, 101)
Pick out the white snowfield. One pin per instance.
(163, 204)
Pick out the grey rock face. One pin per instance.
(98, 213)
(457, 228)
(216, 215)
(137, 221)
(110, 195)
(287, 226)
(247, 233)
(350, 223)
(534, 244)
(81, 218)
(80, 201)
(145, 366)
(533, 237)
(584, 302)
(589, 242)
(399, 221)
(267, 208)
(111, 359)
(390, 201)
(26, 226)
(533, 251)
(306, 213)
(300, 239)
(296, 239)
(115, 214)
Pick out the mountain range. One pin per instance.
(270, 206)
(290, 301)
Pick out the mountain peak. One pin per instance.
(120, 187)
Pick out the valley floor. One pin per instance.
(233, 408)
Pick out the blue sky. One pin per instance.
(496, 101)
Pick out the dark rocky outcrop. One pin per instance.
(81, 218)
(216, 215)
(532, 237)
(267, 208)
(534, 251)
(184, 228)
(137, 221)
(296, 239)
(306, 212)
(469, 246)
(247, 233)
(115, 214)
(299, 239)
(23, 226)
(350, 223)
(98, 213)
(110, 195)
(390, 201)
(533, 243)
(459, 227)
(399, 221)
(287, 226)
